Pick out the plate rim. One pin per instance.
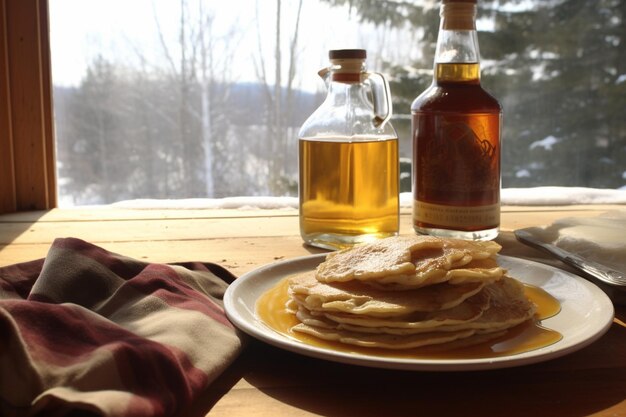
(259, 330)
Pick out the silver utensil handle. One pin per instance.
(608, 276)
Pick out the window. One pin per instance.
(165, 99)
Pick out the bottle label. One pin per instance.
(457, 158)
(456, 216)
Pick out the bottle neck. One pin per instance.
(346, 81)
(346, 77)
(347, 70)
(457, 57)
(342, 92)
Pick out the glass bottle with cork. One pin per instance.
(456, 127)
(348, 158)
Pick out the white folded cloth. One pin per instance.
(601, 238)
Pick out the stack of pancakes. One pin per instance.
(407, 292)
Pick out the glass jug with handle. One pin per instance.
(348, 158)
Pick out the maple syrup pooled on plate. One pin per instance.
(525, 337)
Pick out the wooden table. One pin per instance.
(266, 381)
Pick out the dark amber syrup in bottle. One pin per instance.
(456, 165)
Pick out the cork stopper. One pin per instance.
(347, 65)
(347, 54)
(458, 15)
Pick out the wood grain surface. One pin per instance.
(267, 381)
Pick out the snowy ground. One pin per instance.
(510, 196)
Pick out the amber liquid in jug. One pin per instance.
(456, 139)
(348, 189)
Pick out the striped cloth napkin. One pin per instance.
(88, 332)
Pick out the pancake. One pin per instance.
(497, 307)
(484, 270)
(386, 341)
(412, 262)
(408, 292)
(469, 310)
(383, 257)
(508, 305)
(356, 298)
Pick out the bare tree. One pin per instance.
(206, 73)
(279, 97)
(203, 88)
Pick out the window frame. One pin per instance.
(27, 154)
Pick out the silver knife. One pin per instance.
(604, 274)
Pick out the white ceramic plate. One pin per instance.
(586, 314)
